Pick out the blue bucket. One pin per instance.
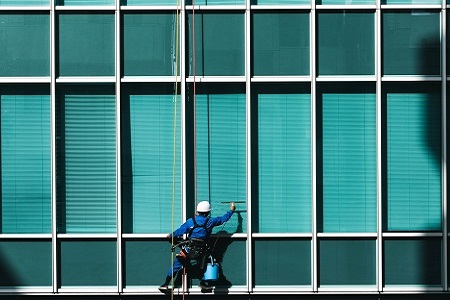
(212, 271)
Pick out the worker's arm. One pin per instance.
(184, 228)
(222, 219)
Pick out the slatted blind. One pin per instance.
(152, 157)
(221, 152)
(89, 200)
(284, 162)
(25, 163)
(413, 161)
(349, 162)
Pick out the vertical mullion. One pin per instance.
(53, 147)
(444, 144)
(313, 146)
(379, 145)
(118, 152)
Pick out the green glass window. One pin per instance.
(280, 43)
(413, 2)
(447, 48)
(25, 2)
(149, 2)
(149, 44)
(26, 263)
(282, 262)
(413, 130)
(92, 52)
(220, 150)
(88, 263)
(24, 44)
(279, 2)
(146, 262)
(412, 262)
(25, 160)
(150, 135)
(86, 159)
(411, 42)
(232, 256)
(284, 158)
(347, 159)
(346, 43)
(219, 44)
(215, 2)
(347, 262)
(85, 2)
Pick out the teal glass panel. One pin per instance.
(215, 2)
(279, 2)
(26, 263)
(86, 160)
(347, 262)
(412, 262)
(280, 43)
(25, 3)
(447, 44)
(85, 2)
(346, 43)
(25, 160)
(146, 262)
(282, 262)
(411, 42)
(345, 2)
(149, 2)
(24, 44)
(284, 158)
(149, 44)
(220, 151)
(348, 162)
(88, 263)
(219, 44)
(231, 255)
(413, 171)
(86, 44)
(151, 140)
(413, 2)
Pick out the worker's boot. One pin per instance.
(205, 288)
(165, 286)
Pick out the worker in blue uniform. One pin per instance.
(198, 230)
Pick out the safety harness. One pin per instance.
(193, 248)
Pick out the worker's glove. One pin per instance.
(232, 206)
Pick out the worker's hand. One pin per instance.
(233, 206)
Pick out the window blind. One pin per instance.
(284, 162)
(349, 162)
(152, 156)
(25, 163)
(413, 161)
(87, 198)
(221, 151)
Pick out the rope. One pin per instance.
(175, 136)
(194, 63)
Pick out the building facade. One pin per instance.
(325, 121)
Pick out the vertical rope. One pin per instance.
(174, 167)
(194, 64)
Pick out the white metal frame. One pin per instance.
(248, 79)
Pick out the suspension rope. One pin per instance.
(175, 104)
(194, 64)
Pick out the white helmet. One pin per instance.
(203, 207)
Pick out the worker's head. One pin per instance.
(203, 208)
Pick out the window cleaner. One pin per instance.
(195, 248)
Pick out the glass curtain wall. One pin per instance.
(326, 121)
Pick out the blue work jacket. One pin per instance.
(199, 232)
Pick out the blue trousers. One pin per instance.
(177, 265)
